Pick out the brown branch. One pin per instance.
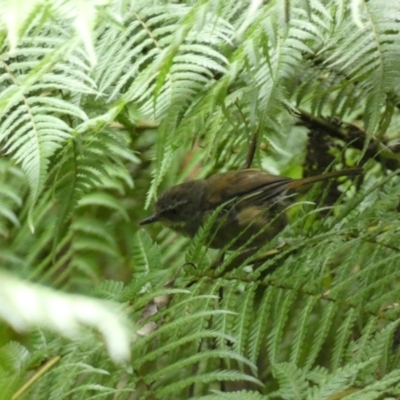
(378, 148)
(252, 149)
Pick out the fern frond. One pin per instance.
(243, 319)
(375, 50)
(239, 395)
(259, 326)
(388, 383)
(33, 124)
(146, 253)
(342, 337)
(338, 382)
(284, 301)
(292, 381)
(206, 378)
(325, 322)
(301, 330)
(14, 361)
(109, 289)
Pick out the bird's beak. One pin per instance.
(149, 220)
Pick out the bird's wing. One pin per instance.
(252, 183)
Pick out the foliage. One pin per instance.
(104, 104)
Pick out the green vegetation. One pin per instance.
(104, 104)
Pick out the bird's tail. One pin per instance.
(317, 178)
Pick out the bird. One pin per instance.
(249, 206)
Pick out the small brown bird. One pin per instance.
(252, 202)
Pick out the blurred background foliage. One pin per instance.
(103, 104)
